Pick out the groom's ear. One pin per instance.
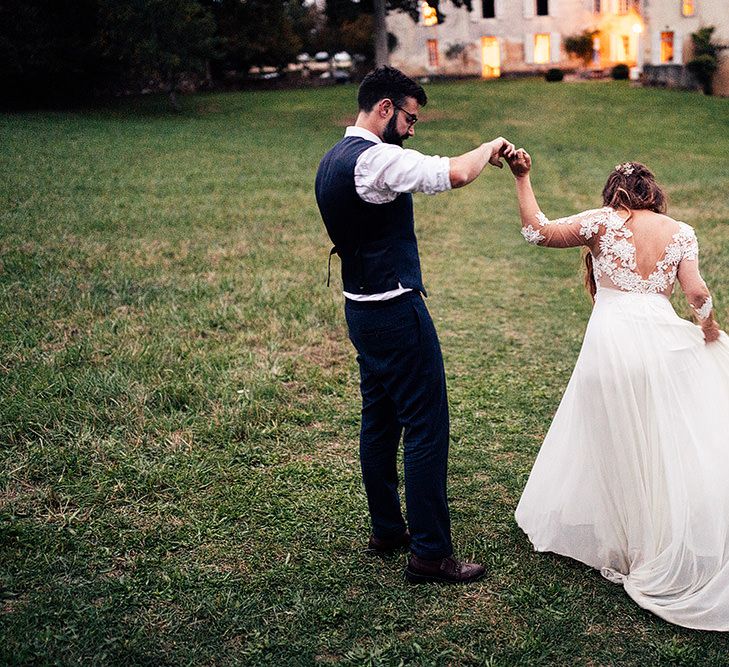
(384, 106)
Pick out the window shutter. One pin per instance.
(555, 47)
(677, 49)
(656, 47)
(499, 8)
(529, 47)
(613, 48)
(529, 9)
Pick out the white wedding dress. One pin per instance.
(633, 475)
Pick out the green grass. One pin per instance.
(179, 480)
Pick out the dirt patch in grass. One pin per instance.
(179, 441)
(328, 352)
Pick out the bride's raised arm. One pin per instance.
(536, 228)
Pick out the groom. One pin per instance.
(363, 191)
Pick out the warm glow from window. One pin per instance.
(433, 52)
(688, 8)
(490, 57)
(430, 16)
(541, 48)
(666, 47)
(623, 6)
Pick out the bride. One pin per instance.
(633, 475)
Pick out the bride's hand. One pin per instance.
(520, 163)
(711, 333)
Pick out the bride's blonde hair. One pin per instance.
(632, 187)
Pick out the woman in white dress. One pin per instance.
(633, 475)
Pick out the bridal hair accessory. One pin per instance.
(626, 168)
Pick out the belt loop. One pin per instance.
(329, 264)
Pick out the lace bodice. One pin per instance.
(605, 232)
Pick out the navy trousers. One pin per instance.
(403, 388)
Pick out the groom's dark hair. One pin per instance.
(391, 83)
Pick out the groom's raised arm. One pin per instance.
(466, 168)
(386, 170)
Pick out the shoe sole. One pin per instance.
(415, 578)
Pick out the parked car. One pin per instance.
(342, 60)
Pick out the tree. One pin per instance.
(706, 58)
(580, 46)
(50, 54)
(257, 32)
(339, 10)
(158, 39)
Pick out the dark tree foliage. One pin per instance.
(257, 32)
(347, 10)
(580, 46)
(157, 41)
(706, 58)
(344, 18)
(50, 54)
(56, 52)
(412, 7)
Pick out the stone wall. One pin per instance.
(669, 76)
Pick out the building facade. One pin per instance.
(498, 37)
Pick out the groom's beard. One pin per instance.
(390, 135)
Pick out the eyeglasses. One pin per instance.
(410, 117)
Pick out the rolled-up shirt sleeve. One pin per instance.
(384, 171)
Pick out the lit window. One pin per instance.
(488, 9)
(428, 13)
(433, 52)
(623, 6)
(542, 7)
(666, 47)
(490, 57)
(541, 48)
(688, 7)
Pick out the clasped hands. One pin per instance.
(519, 161)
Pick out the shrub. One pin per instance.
(703, 68)
(455, 50)
(580, 46)
(620, 72)
(705, 59)
(554, 74)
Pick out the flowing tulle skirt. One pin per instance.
(633, 475)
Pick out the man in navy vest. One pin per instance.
(363, 189)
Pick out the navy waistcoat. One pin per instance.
(376, 242)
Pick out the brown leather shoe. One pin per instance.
(444, 570)
(381, 546)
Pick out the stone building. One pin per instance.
(668, 45)
(498, 37)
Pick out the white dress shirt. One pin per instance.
(384, 171)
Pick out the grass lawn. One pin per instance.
(179, 478)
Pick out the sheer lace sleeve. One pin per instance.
(689, 277)
(580, 229)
